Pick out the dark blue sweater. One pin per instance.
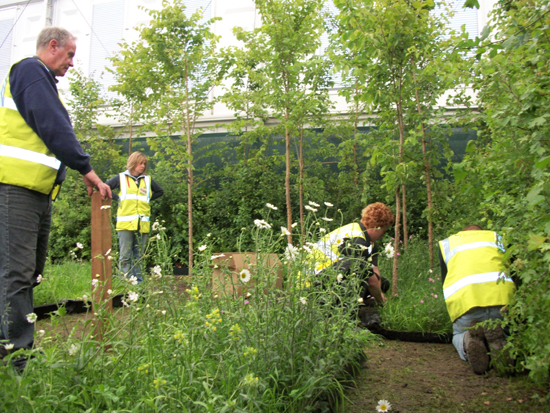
(34, 92)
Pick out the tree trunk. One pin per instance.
(396, 237)
(427, 177)
(190, 199)
(287, 186)
(301, 188)
(405, 229)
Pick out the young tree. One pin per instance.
(168, 74)
(389, 45)
(280, 56)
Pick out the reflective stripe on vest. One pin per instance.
(475, 279)
(325, 251)
(31, 156)
(476, 276)
(133, 208)
(25, 160)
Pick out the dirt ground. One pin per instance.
(431, 378)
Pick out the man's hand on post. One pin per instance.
(91, 180)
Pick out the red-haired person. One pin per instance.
(353, 248)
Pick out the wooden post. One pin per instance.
(102, 303)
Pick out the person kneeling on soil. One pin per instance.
(353, 249)
(476, 289)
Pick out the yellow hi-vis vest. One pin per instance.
(475, 272)
(133, 208)
(325, 252)
(24, 158)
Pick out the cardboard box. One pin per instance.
(227, 267)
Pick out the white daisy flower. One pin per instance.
(132, 296)
(133, 280)
(291, 252)
(39, 279)
(322, 230)
(389, 250)
(314, 204)
(285, 231)
(339, 278)
(109, 291)
(32, 317)
(328, 204)
(95, 281)
(79, 245)
(293, 225)
(327, 219)
(244, 275)
(73, 349)
(383, 406)
(40, 333)
(310, 208)
(270, 206)
(8, 346)
(303, 300)
(260, 223)
(105, 206)
(217, 256)
(157, 270)
(202, 248)
(360, 300)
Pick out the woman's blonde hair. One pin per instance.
(135, 159)
(377, 215)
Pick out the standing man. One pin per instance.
(36, 142)
(476, 289)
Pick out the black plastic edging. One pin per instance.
(44, 312)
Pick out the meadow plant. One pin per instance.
(419, 304)
(269, 350)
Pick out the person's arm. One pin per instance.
(114, 184)
(375, 288)
(157, 190)
(91, 180)
(443, 267)
(35, 94)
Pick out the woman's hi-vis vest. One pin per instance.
(24, 158)
(133, 208)
(325, 252)
(475, 272)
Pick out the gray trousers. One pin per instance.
(461, 324)
(25, 219)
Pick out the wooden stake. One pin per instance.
(102, 303)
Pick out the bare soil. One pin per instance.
(426, 378)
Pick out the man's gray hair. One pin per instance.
(50, 33)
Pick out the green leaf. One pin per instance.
(485, 32)
(471, 4)
(541, 164)
(535, 241)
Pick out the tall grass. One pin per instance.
(69, 280)
(419, 305)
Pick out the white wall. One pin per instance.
(101, 25)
